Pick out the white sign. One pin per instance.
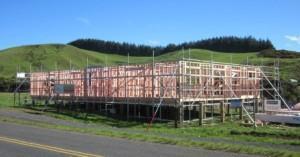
(272, 105)
(21, 75)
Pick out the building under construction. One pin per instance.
(182, 91)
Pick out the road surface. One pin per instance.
(20, 140)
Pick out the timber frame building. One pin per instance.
(181, 90)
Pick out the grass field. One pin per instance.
(50, 56)
(7, 99)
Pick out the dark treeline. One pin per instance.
(115, 47)
(10, 84)
(224, 44)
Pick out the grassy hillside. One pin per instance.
(46, 57)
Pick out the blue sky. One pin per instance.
(152, 22)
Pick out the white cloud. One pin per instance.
(153, 42)
(293, 38)
(83, 20)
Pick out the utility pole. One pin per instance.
(70, 64)
(56, 66)
(247, 60)
(87, 61)
(152, 57)
(127, 58)
(183, 52)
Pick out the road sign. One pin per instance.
(63, 88)
(235, 103)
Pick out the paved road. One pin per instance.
(20, 140)
(34, 116)
(14, 150)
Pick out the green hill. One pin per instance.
(50, 56)
(46, 57)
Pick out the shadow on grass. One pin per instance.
(93, 118)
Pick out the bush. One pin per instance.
(272, 53)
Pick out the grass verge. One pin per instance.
(7, 99)
(273, 134)
(232, 131)
(164, 140)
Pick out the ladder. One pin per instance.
(276, 91)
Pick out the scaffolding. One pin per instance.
(184, 91)
(22, 79)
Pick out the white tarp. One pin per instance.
(297, 106)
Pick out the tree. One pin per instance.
(224, 44)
